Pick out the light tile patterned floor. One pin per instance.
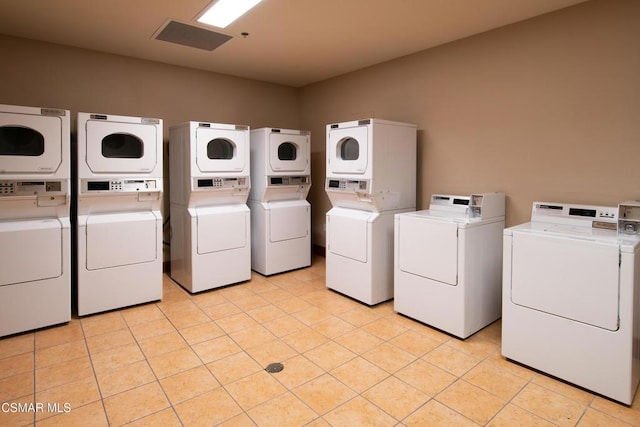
(198, 360)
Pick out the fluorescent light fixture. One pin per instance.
(224, 12)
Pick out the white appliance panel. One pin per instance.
(288, 221)
(133, 150)
(348, 235)
(348, 150)
(30, 250)
(429, 248)
(567, 277)
(222, 228)
(121, 239)
(30, 143)
(220, 150)
(288, 153)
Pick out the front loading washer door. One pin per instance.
(288, 220)
(120, 239)
(119, 147)
(428, 248)
(289, 153)
(574, 278)
(221, 150)
(222, 228)
(348, 150)
(30, 250)
(31, 144)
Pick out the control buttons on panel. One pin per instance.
(7, 188)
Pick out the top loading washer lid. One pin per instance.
(221, 150)
(31, 143)
(288, 152)
(121, 147)
(348, 150)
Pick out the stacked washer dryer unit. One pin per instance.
(448, 262)
(571, 295)
(371, 176)
(35, 237)
(210, 221)
(119, 224)
(280, 213)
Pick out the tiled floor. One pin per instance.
(198, 360)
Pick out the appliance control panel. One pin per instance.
(579, 215)
(348, 185)
(120, 185)
(288, 180)
(220, 183)
(32, 188)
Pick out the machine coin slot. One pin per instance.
(98, 185)
(54, 186)
(205, 183)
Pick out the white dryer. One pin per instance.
(448, 262)
(210, 221)
(35, 237)
(571, 296)
(119, 223)
(371, 176)
(280, 213)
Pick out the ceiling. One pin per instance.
(290, 42)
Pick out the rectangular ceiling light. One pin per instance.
(224, 12)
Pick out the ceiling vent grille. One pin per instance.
(190, 35)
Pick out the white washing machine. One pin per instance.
(210, 220)
(35, 236)
(280, 213)
(571, 296)
(371, 176)
(119, 223)
(448, 262)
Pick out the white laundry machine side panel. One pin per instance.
(363, 269)
(568, 277)
(481, 273)
(34, 142)
(35, 302)
(180, 248)
(394, 164)
(592, 357)
(281, 238)
(229, 260)
(116, 283)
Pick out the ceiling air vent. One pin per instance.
(190, 35)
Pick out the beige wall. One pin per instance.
(42, 74)
(546, 109)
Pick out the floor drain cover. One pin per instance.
(272, 368)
